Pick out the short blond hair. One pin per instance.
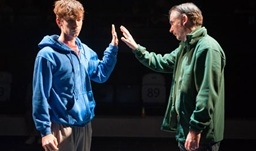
(68, 9)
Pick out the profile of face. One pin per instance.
(70, 27)
(177, 25)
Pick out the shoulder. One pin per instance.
(45, 51)
(208, 42)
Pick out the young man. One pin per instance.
(196, 104)
(63, 102)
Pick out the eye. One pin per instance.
(71, 20)
(171, 23)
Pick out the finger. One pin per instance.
(47, 148)
(114, 34)
(52, 146)
(55, 142)
(124, 40)
(124, 30)
(113, 29)
(186, 145)
(127, 35)
(45, 143)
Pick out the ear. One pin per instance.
(58, 21)
(184, 19)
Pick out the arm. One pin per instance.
(42, 79)
(156, 62)
(100, 70)
(41, 88)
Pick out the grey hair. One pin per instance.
(191, 10)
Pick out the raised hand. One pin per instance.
(128, 39)
(114, 40)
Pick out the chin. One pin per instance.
(75, 34)
(178, 38)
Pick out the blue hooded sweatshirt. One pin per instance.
(62, 90)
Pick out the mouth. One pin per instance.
(74, 31)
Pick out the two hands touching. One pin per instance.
(127, 38)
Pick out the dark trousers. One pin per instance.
(204, 147)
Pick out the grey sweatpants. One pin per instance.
(73, 138)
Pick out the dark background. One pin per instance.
(231, 24)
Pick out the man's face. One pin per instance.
(177, 25)
(71, 27)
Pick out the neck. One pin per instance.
(70, 41)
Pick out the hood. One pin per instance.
(53, 42)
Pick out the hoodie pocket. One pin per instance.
(82, 111)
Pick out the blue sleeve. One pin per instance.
(101, 69)
(42, 79)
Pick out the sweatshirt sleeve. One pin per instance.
(157, 62)
(41, 88)
(101, 69)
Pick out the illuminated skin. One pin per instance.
(179, 27)
(70, 29)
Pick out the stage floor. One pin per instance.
(17, 143)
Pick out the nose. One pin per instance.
(171, 30)
(75, 24)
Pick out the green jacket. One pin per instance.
(196, 98)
